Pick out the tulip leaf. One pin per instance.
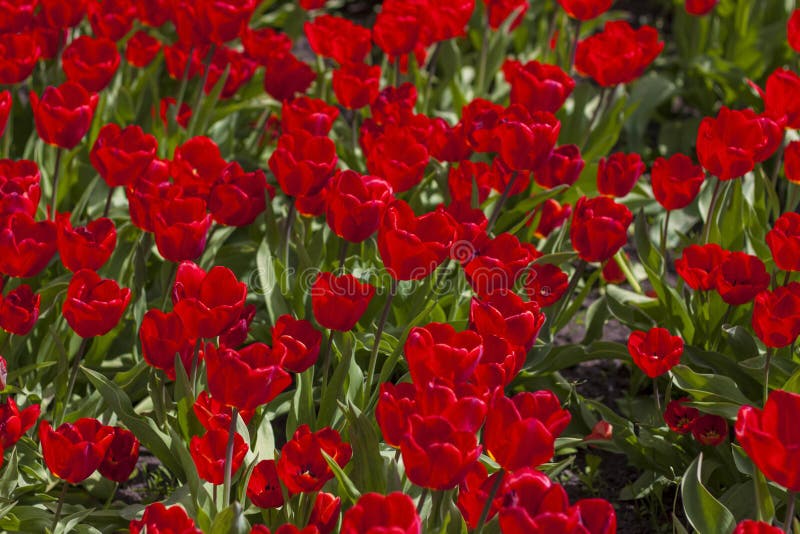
(10, 478)
(143, 428)
(269, 287)
(704, 511)
(719, 393)
(368, 465)
(349, 489)
(230, 521)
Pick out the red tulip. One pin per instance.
(521, 431)
(506, 315)
(19, 310)
(111, 19)
(679, 417)
(141, 49)
(770, 438)
(585, 9)
(618, 54)
(286, 76)
(159, 518)
(355, 204)
(163, 336)
(700, 7)
(710, 430)
(180, 225)
(18, 55)
(538, 86)
(94, 305)
(339, 39)
(553, 216)
(262, 43)
(13, 422)
(656, 351)
(19, 187)
(749, 526)
(617, 174)
(85, 247)
(91, 62)
(339, 301)
(215, 415)
(437, 351)
(356, 85)
(16, 15)
(779, 102)
(740, 277)
(545, 284)
(121, 456)
(297, 341)
(73, 451)
(412, 247)
(399, 157)
(448, 143)
(500, 10)
(375, 513)
(207, 303)
(303, 163)
(793, 30)
(208, 454)
(325, 512)
(238, 197)
(238, 66)
(676, 181)
(120, 155)
(310, 115)
(264, 487)
(5, 110)
(197, 165)
(563, 167)
(183, 116)
(63, 114)
(246, 378)
(302, 468)
(526, 140)
(776, 316)
(60, 14)
(497, 264)
(460, 181)
(26, 246)
(784, 242)
(599, 228)
(698, 264)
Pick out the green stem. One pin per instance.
(343, 254)
(655, 394)
(596, 114)
(619, 257)
(56, 176)
(766, 373)
(787, 524)
(108, 201)
(111, 495)
(422, 499)
(711, 209)
(664, 235)
(226, 491)
(373, 359)
(501, 202)
(73, 376)
(59, 506)
(573, 283)
(287, 232)
(172, 113)
(9, 133)
(326, 363)
(483, 58)
(201, 90)
(574, 47)
(489, 499)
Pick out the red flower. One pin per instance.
(399, 157)
(262, 43)
(448, 143)
(700, 7)
(85, 247)
(264, 487)
(310, 115)
(120, 155)
(526, 141)
(396, 403)
(602, 430)
(412, 247)
(698, 264)
(563, 167)
(521, 431)
(729, 145)
(19, 187)
(436, 454)
(617, 174)
(63, 114)
(141, 49)
(740, 277)
(770, 438)
(325, 512)
(585, 9)
(437, 351)
(238, 66)
(13, 422)
(527, 497)
(356, 85)
(197, 164)
(676, 181)
(91, 62)
(60, 14)
(779, 104)
(184, 114)
(303, 163)
(599, 228)
(538, 86)
(26, 246)
(500, 10)
(19, 310)
(793, 30)
(163, 336)
(397, 29)
(5, 109)
(214, 415)
(177, 56)
(618, 54)
(679, 417)
(111, 19)
(297, 341)
(286, 75)
(221, 21)
(94, 305)
(545, 284)
(180, 224)
(776, 316)
(656, 351)
(16, 15)
(497, 263)
(710, 429)
(355, 204)
(749, 526)
(375, 513)
(507, 316)
(554, 215)
(784, 242)
(339, 301)
(158, 518)
(246, 378)
(121, 456)
(339, 39)
(207, 303)
(460, 181)
(238, 197)
(611, 273)
(208, 454)
(73, 451)
(18, 55)
(302, 468)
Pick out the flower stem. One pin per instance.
(619, 257)
(108, 201)
(59, 505)
(73, 376)
(573, 283)
(598, 111)
(343, 254)
(655, 394)
(56, 176)
(787, 524)
(664, 235)
(226, 488)
(422, 499)
(484, 57)
(326, 363)
(373, 359)
(287, 232)
(711, 209)
(766, 373)
(574, 47)
(489, 499)
(501, 202)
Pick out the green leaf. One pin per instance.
(349, 489)
(718, 394)
(230, 521)
(369, 469)
(704, 511)
(268, 281)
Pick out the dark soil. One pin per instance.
(151, 481)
